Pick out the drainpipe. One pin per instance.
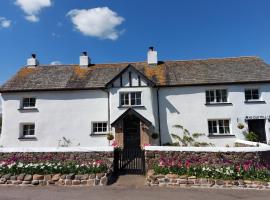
(158, 116)
(109, 110)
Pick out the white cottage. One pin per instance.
(77, 105)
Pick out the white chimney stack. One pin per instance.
(33, 61)
(84, 59)
(152, 56)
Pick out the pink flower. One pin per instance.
(146, 145)
(246, 167)
(187, 164)
(114, 144)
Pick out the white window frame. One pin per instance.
(215, 96)
(259, 94)
(22, 130)
(28, 107)
(218, 127)
(100, 132)
(129, 99)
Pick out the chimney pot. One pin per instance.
(32, 61)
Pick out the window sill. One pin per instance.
(253, 102)
(28, 109)
(27, 138)
(221, 136)
(98, 134)
(218, 104)
(131, 106)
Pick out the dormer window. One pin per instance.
(29, 102)
(130, 99)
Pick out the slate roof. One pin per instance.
(168, 73)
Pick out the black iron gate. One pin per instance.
(129, 161)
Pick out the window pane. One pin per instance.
(247, 94)
(210, 127)
(207, 94)
(224, 95)
(227, 130)
(133, 102)
(218, 96)
(255, 94)
(212, 95)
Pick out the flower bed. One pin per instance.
(247, 171)
(204, 167)
(53, 167)
(63, 168)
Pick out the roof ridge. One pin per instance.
(205, 59)
(138, 62)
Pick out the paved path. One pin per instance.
(120, 192)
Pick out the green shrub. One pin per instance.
(251, 136)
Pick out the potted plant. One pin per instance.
(155, 136)
(110, 137)
(240, 125)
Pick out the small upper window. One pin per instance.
(216, 96)
(29, 102)
(28, 130)
(100, 127)
(219, 127)
(130, 99)
(252, 94)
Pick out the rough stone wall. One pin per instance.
(55, 179)
(173, 180)
(207, 158)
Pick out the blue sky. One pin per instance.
(121, 30)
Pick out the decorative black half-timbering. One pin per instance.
(130, 77)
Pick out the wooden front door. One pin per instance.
(258, 127)
(131, 132)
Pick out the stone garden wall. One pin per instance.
(213, 157)
(56, 179)
(32, 159)
(216, 158)
(173, 180)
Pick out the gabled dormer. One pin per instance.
(130, 77)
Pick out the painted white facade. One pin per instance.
(186, 106)
(70, 114)
(59, 114)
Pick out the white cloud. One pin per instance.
(98, 22)
(4, 23)
(32, 8)
(56, 62)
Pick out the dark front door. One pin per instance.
(258, 127)
(131, 132)
(131, 159)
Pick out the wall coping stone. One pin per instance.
(57, 149)
(208, 149)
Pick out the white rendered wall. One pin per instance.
(186, 106)
(149, 98)
(66, 114)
